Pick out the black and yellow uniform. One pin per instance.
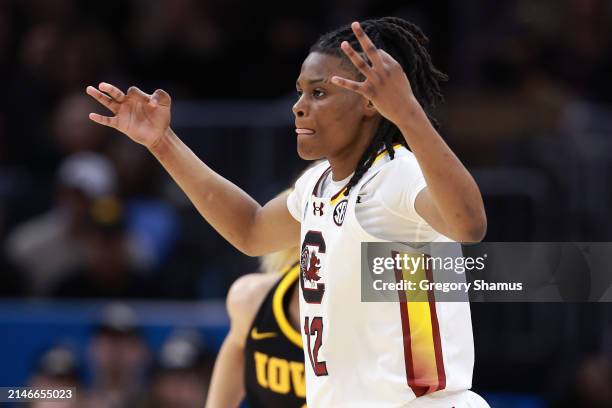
(274, 360)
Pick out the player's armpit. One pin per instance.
(273, 229)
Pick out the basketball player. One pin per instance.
(261, 359)
(360, 111)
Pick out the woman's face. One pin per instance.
(328, 118)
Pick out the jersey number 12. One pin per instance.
(315, 330)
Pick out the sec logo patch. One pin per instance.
(340, 212)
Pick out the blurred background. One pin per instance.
(88, 219)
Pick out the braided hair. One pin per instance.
(405, 42)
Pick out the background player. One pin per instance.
(261, 358)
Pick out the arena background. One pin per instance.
(528, 110)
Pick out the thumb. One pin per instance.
(160, 97)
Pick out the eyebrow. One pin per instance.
(312, 81)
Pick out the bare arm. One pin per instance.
(251, 228)
(451, 203)
(226, 388)
(243, 301)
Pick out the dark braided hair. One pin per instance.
(405, 42)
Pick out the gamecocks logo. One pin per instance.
(310, 265)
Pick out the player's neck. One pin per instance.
(340, 171)
(345, 162)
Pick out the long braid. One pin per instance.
(405, 42)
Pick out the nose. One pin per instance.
(299, 108)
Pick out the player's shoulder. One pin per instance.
(404, 164)
(403, 158)
(247, 294)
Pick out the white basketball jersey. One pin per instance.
(360, 354)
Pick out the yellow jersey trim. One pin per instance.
(277, 305)
(340, 195)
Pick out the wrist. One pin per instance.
(162, 143)
(413, 115)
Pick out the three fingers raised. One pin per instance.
(374, 55)
(366, 44)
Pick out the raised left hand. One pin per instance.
(386, 84)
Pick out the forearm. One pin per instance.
(451, 186)
(226, 207)
(227, 384)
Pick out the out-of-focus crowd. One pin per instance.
(119, 369)
(84, 212)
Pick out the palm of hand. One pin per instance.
(140, 121)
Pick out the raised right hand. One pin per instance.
(144, 118)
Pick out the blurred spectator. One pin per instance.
(152, 222)
(54, 61)
(514, 68)
(50, 245)
(56, 49)
(186, 24)
(119, 360)
(57, 370)
(187, 34)
(515, 99)
(106, 271)
(73, 132)
(181, 374)
(14, 283)
(590, 386)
